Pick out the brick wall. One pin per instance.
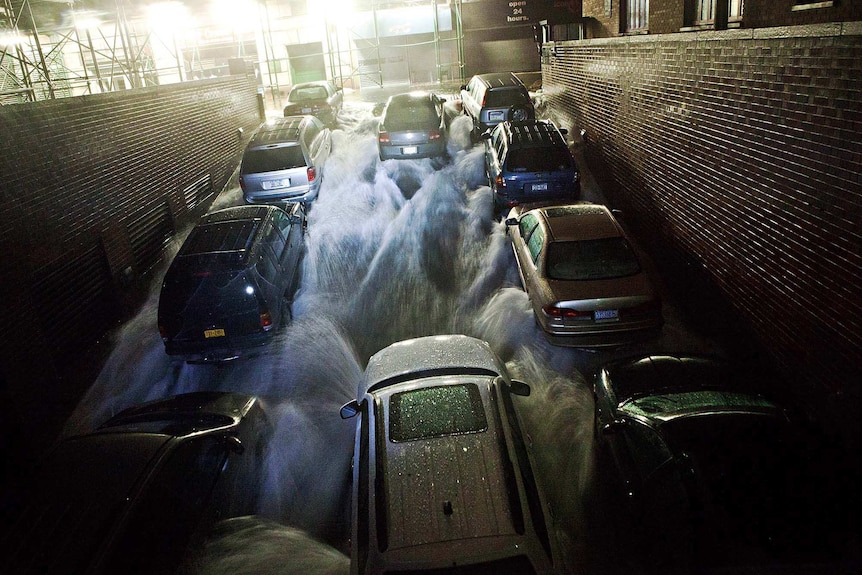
(92, 188)
(740, 153)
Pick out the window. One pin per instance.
(535, 243)
(704, 12)
(435, 412)
(709, 13)
(637, 15)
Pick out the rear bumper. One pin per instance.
(426, 150)
(604, 335)
(200, 352)
(297, 194)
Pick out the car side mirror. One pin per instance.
(349, 409)
(463, 86)
(486, 135)
(511, 221)
(518, 387)
(564, 131)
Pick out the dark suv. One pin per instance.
(529, 161)
(493, 98)
(228, 288)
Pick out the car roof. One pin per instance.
(430, 355)
(410, 97)
(277, 130)
(577, 222)
(532, 134)
(229, 234)
(501, 79)
(463, 474)
(310, 84)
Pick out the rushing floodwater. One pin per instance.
(395, 250)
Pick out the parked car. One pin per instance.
(584, 280)
(143, 490)
(228, 289)
(442, 477)
(713, 473)
(529, 161)
(284, 161)
(493, 98)
(321, 99)
(412, 126)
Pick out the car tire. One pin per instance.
(518, 113)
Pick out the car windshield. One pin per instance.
(506, 97)
(407, 116)
(435, 412)
(543, 159)
(308, 93)
(272, 159)
(604, 258)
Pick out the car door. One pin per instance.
(526, 226)
(291, 226)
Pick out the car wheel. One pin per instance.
(518, 114)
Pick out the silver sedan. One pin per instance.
(585, 282)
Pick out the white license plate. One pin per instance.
(306, 110)
(540, 187)
(410, 150)
(275, 184)
(606, 314)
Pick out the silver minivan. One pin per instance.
(443, 480)
(284, 160)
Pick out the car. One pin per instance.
(443, 480)
(713, 472)
(142, 491)
(284, 160)
(321, 99)
(412, 126)
(584, 280)
(529, 161)
(228, 289)
(489, 99)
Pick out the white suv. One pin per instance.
(493, 98)
(442, 477)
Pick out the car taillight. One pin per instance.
(565, 313)
(312, 173)
(265, 321)
(501, 183)
(383, 137)
(163, 331)
(434, 134)
(242, 183)
(647, 308)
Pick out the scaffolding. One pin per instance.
(51, 50)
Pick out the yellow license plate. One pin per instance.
(208, 333)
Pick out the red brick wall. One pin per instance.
(741, 153)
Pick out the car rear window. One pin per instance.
(435, 412)
(310, 93)
(604, 258)
(273, 159)
(416, 115)
(543, 159)
(506, 97)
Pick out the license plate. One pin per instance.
(606, 314)
(208, 333)
(275, 184)
(306, 110)
(540, 187)
(410, 150)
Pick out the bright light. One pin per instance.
(167, 18)
(86, 19)
(332, 10)
(11, 39)
(236, 15)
